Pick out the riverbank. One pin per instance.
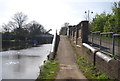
(18, 44)
(51, 66)
(49, 70)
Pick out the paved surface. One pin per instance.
(66, 58)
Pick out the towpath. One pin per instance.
(66, 57)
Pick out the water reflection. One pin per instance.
(24, 64)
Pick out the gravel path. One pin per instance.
(66, 58)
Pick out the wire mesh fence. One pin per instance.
(116, 44)
(94, 39)
(105, 42)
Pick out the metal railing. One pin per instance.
(116, 44)
(106, 42)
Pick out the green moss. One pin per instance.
(48, 70)
(113, 56)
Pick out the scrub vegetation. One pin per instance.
(48, 71)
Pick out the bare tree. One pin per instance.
(5, 28)
(20, 19)
(66, 24)
(12, 25)
(9, 27)
(35, 28)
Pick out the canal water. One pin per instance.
(25, 63)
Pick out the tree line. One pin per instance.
(18, 34)
(107, 22)
(18, 29)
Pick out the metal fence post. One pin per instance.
(92, 38)
(113, 44)
(100, 41)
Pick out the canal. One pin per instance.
(25, 63)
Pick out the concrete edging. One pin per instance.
(96, 52)
(104, 57)
(103, 62)
(93, 50)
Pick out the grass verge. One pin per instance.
(88, 69)
(48, 71)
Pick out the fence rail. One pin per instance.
(105, 42)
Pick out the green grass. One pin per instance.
(87, 68)
(48, 71)
(90, 71)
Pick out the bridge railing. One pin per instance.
(105, 42)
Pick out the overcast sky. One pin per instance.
(53, 13)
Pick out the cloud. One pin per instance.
(50, 13)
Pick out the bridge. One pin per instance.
(101, 49)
